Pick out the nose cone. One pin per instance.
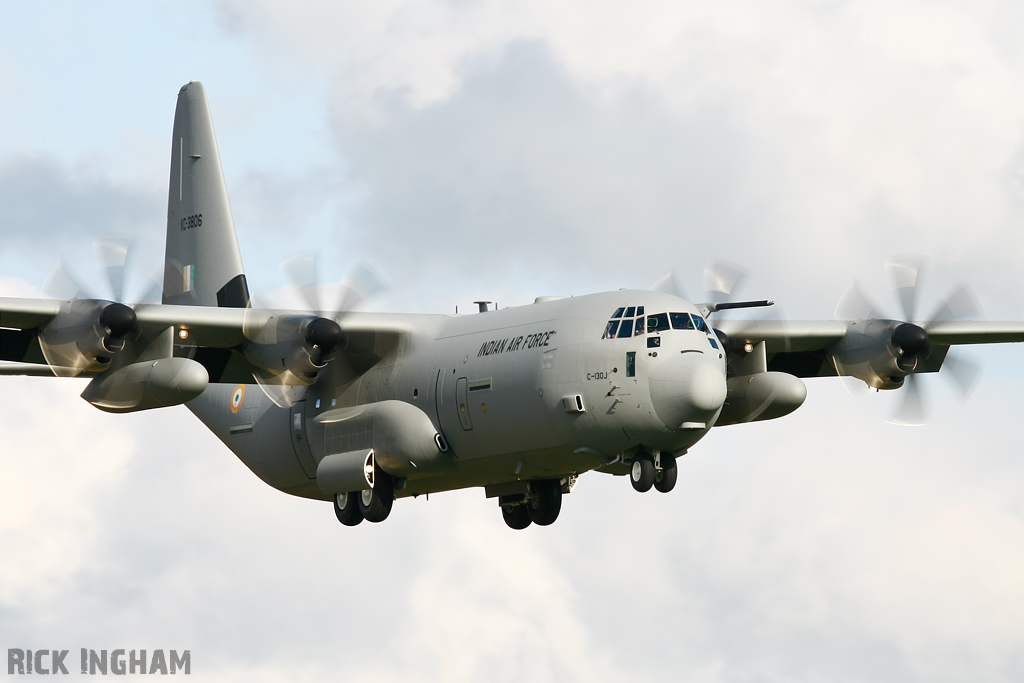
(687, 388)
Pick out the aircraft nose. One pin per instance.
(687, 388)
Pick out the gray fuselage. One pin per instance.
(530, 392)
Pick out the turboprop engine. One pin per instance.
(880, 352)
(85, 334)
(290, 349)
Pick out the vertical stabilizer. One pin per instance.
(202, 264)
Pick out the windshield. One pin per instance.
(681, 321)
(657, 322)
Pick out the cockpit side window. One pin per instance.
(699, 322)
(618, 312)
(681, 321)
(657, 322)
(609, 332)
(626, 329)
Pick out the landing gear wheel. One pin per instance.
(641, 474)
(375, 504)
(666, 479)
(346, 507)
(516, 516)
(545, 508)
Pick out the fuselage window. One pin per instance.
(657, 322)
(699, 322)
(609, 332)
(630, 312)
(626, 329)
(618, 313)
(681, 321)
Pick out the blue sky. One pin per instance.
(505, 151)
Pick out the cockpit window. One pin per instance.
(622, 324)
(681, 321)
(657, 322)
(699, 322)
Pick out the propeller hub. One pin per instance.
(119, 320)
(324, 334)
(910, 339)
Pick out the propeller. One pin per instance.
(911, 337)
(721, 279)
(321, 336)
(90, 328)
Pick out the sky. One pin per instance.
(508, 150)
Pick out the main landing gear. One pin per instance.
(373, 505)
(540, 505)
(646, 472)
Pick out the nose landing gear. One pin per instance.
(641, 473)
(665, 479)
(646, 472)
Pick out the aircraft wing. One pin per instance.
(804, 335)
(214, 335)
(810, 348)
(784, 335)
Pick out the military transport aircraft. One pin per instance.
(364, 408)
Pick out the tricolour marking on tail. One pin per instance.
(202, 263)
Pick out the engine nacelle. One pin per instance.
(762, 396)
(85, 334)
(147, 384)
(301, 345)
(880, 352)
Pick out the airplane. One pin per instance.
(361, 408)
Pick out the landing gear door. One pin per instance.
(297, 427)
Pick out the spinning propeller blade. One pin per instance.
(331, 302)
(904, 274)
(90, 328)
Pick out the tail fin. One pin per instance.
(202, 264)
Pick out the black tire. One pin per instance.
(641, 473)
(347, 509)
(667, 481)
(545, 507)
(375, 504)
(516, 516)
